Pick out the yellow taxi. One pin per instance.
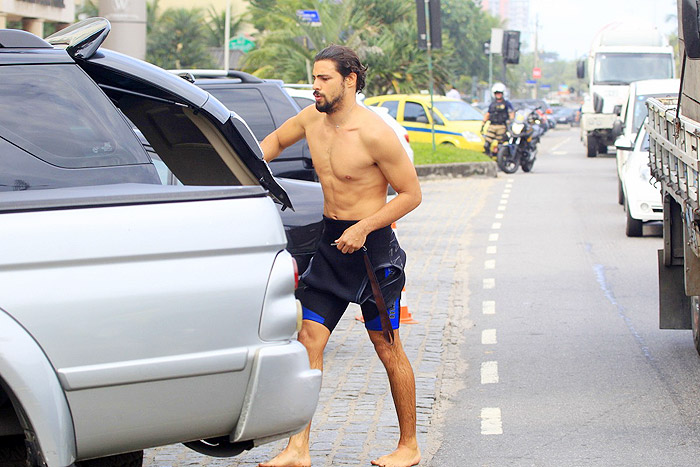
(456, 122)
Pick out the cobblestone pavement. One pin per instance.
(355, 420)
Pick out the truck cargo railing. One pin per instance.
(673, 152)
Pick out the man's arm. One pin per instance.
(289, 133)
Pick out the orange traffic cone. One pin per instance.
(405, 316)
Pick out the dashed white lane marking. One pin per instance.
(502, 207)
(490, 264)
(489, 372)
(491, 421)
(489, 283)
(488, 337)
(493, 237)
(488, 307)
(503, 201)
(496, 225)
(491, 250)
(560, 144)
(499, 215)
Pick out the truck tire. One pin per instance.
(620, 193)
(695, 320)
(591, 146)
(633, 228)
(129, 459)
(602, 148)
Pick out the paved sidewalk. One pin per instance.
(355, 420)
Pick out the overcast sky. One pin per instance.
(568, 26)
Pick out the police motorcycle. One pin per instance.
(520, 149)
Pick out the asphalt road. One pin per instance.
(563, 363)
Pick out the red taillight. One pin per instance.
(296, 274)
(406, 136)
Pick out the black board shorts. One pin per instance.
(334, 279)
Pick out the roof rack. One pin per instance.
(213, 74)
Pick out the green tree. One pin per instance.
(287, 50)
(216, 26)
(179, 40)
(383, 32)
(87, 9)
(467, 28)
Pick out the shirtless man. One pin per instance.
(355, 155)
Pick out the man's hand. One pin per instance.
(352, 239)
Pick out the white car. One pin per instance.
(303, 94)
(632, 115)
(642, 199)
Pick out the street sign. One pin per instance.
(309, 16)
(537, 73)
(530, 81)
(241, 43)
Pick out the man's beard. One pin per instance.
(330, 106)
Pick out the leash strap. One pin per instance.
(387, 330)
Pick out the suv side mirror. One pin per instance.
(581, 69)
(691, 28)
(624, 144)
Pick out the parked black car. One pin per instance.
(265, 106)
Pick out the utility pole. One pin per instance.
(429, 37)
(430, 68)
(536, 56)
(227, 36)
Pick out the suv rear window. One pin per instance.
(57, 114)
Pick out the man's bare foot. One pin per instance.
(402, 457)
(289, 458)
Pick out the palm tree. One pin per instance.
(216, 26)
(179, 40)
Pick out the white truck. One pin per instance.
(620, 54)
(674, 129)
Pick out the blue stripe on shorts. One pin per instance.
(310, 315)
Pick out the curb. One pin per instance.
(459, 170)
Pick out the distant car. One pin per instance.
(564, 115)
(642, 199)
(455, 122)
(544, 110)
(303, 95)
(632, 115)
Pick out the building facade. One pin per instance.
(32, 15)
(515, 13)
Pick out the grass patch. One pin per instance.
(444, 154)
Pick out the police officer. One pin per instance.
(500, 111)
